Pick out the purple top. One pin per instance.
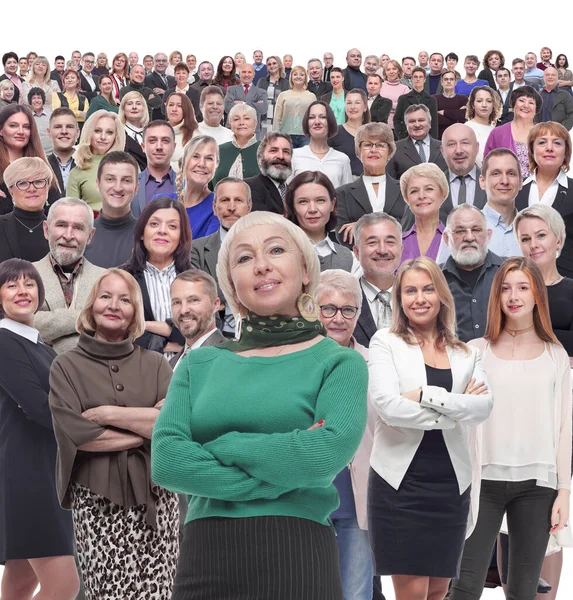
(410, 248)
(501, 137)
(154, 188)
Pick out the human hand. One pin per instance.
(317, 425)
(347, 232)
(159, 91)
(560, 511)
(476, 388)
(99, 415)
(159, 404)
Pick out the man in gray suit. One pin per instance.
(232, 201)
(68, 277)
(248, 93)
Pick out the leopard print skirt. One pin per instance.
(121, 556)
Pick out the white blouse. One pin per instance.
(334, 164)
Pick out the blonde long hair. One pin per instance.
(83, 154)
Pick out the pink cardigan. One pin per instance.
(393, 90)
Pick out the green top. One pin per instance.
(82, 183)
(233, 432)
(338, 106)
(228, 153)
(100, 103)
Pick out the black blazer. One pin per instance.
(352, 201)
(439, 89)
(506, 112)
(406, 100)
(153, 80)
(57, 78)
(85, 87)
(563, 204)
(135, 149)
(488, 76)
(193, 94)
(348, 80)
(407, 156)
(365, 326)
(56, 169)
(479, 201)
(319, 88)
(380, 110)
(282, 85)
(265, 194)
(9, 244)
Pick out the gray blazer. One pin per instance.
(215, 338)
(55, 321)
(257, 98)
(407, 156)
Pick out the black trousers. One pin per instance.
(528, 507)
(258, 558)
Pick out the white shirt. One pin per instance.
(221, 134)
(326, 247)
(90, 80)
(426, 143)
(503, 94)
(550, 193)
(376, 200)
(335, 164)
(196, 344)
(20, 329)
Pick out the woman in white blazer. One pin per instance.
(429, 390)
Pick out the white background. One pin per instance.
(302, 28)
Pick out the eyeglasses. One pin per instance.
(89, 62)
(377, 145)
(39, 184)
(475, 231)
(329, 310)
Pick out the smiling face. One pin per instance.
(247, 74)
(239, 60)
(174, 109)
(7, 93)
(191, 61)
(68, 233)
(373, 85)
(228, 66)
(192, 308)
(103, 136)
(272, 66)
(494, 62)
(502, 181)
(148, 63)
(525, 108)
(424, 197)
(379, 249)
(11, 66)
(313, 208)
(374, 156)
(258, 57)
(117, 186)
(371, 65)
(517, 300)
(161, 235)
(460, 148)
(231, 203)
(391, 72)
(134, 110)
(267, 271)
(277, 159)
(550, 77)
(355, 106)
(354, 58)
(213, 109)
(418, 124)
(63, 132)
(32, 199)
(471, 67)
(88, 63)
(518, 70)
(317, 121)
(113, 309)
(420, 301)
(538, 242)
(549, 152)
(19, 300)
(137, 74)
(181, 77)
(243, 124)
(298, 77)
(545, 54)
(71, 81)
(314, 70)
(40, 69)
(338, 328)
(206, 71)
(530, 60)
(119, 65)
(105, 85)
(16, 132)
(451, 64)
(201, 165)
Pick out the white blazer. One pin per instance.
(396, 367)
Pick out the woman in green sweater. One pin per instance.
(254, 431)
(105, 100)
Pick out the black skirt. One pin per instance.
(258, 558)
(420, 528)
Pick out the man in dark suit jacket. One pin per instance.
(158, 81)
(195, 304)
(63, 132)
(380, 107)
(504, 89)
(315, 84)
(353, 76)
(248, 93)
(417, 96)
(86, 79)
(274, 156)
(137, 84)
(59, 68)
(379, 250)
(433, 83)
(408, 151)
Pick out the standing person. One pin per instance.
(70, 97)
(416, 96)
(353, 76)
(88, 84)
(105, 396)
(336, 97)
(251, 484)
(212, 105)
(182, 86)
(429, 389)
(36, 534)
(392, 86)
(10, 64)
(102, 65)
(174, 59)
(565, 75)
(557, 102)
(181, 116)
(40, 78)
(291, 107)
(158, 81)
(105, 99)
(59, 68)
(225, 74)
(465, 86)
(380, 107)
(482, 112)
(119, 73)
(546, 55)
(63, 132)
(137, 84)
(287, 62)
(492, 61)
(451, 106)
(6, 93)
(134, 116)
(528, 476)
(274, 83)
(319, 125)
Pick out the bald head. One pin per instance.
(550, 78)
(354, 58)
(460, 148)
(247, 74)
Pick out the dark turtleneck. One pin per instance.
(33, 246)
(112, 243)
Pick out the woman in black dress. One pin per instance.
(36, 535)
(428, 389)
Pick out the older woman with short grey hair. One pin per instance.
(239, 156)
(263, 482)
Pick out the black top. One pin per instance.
(470, 278)
(22, 235)
(344, 142)
(6, 204)
(112, 244)
(561, 312)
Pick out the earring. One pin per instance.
(307, 307)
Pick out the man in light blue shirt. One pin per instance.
(532, 73)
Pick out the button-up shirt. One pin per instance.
(503, 241)
(455, 183)
(153, 187)
(67, 279)
(550, 193)
(426, 143)
(471, 304)
(65, 169)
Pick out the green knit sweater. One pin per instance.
(233, 432)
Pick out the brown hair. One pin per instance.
(496, 317)
(489, 54)
(189, 122)
(126, 66)
(551, 128)
(366, 114)
(496, 107)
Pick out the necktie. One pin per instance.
(246, 90)
(282, 189)
(463, 189)
(421, 152)
(384, 309)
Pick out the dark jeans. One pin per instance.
(528, 507)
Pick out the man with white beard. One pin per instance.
(470, 268)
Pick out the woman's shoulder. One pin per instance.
(386, 338)
(331, 353)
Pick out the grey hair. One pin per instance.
(313, 60)
(343, 282)
(372, 219)
(242, 108)
(546, 213)
(71, 201)
(233, 180)
(465, 206)
(416, 107)
(380, 131)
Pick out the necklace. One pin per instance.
(30, 229)
(514, 333)
(557, 280)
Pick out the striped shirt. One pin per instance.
(159, 286)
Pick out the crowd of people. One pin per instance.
(275, 331)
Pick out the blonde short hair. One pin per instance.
(83, 154)
(26, 168)
(5, 84)
(309, 257)
(298, 68)
(85, 322)
(546, 213)
(133, 95)
(429, 170)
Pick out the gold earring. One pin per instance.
(307, 307)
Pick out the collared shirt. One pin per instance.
(371, 292)
(471, 304)
(504, 94)
(426, 143)
(196, 344)
(326, 247)
(65, 169)
(548, 100)
(42, 123)
(503, 242)
(376, 200)
(411, 249)
(159, 289)
(25, 331)
(182, 90)
(455, 184)
(550, 193)
(153, 187)
(90, 80)
(67, 279)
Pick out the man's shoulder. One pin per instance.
(257, 180)
(88, 269)
(201, 243)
